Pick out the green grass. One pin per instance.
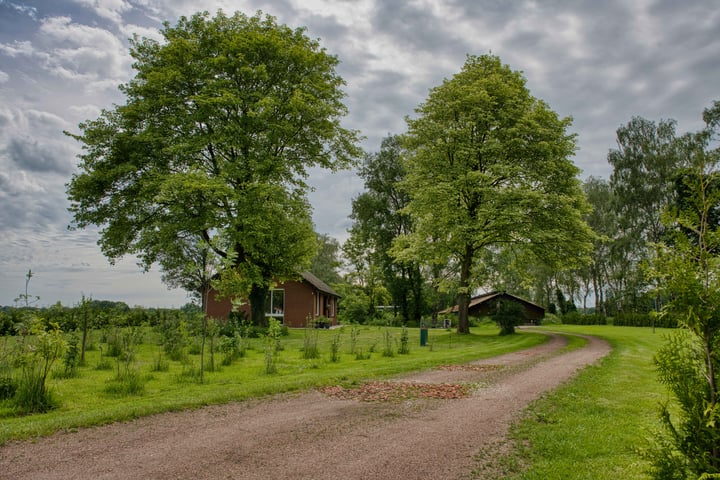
(87, 400)
(591, 427)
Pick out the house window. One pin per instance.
(275, 305)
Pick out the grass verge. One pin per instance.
(592, 426)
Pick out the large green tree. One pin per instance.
(488, 166)
(603, 220)
(644, 165)
(222, 121)
(378, 218)
(327, 263)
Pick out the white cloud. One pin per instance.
(109, 9)
(22, 9)
(17, 49)
(4, 77)
(89, 51)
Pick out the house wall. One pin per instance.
(300, 302)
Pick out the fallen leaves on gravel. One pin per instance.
(398, 391)
(472, 368)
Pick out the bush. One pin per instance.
(36, 361)
(7, 387)
(577, 318)
(644, 320)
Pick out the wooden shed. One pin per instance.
(293, 302)
(485, 304)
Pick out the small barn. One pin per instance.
(293, 302)
(485, 304)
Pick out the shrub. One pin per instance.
(335, 348)
(577, 318)
(632, 319)
(232, 348)
(404, 348)
(310, 343)
(388, 344)
(36, 361)
(272, 345)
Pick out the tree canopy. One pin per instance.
(488, 167)
(378, 218)
(222, 121)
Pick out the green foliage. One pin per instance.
(71, 360)
(8, 385)
(36, 360)
(378, 218)
(355, 307)
(507, 316)
(404, 347)
(272, 345)
(577, 318)
(388, 343)
(310, 342)
(216, 122)
(335, 348)
(175, 338)
(160, 364)
(354, 336)
(488, 167)
(232, 348)
(686, 268)
(630, 319)
(128, 380)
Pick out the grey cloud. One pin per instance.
(32, 155)
(415, 28)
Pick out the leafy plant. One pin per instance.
(272, 345)
(36, 361)
(404, 348)
(388, 344)
(335, 348)
(127, 379)
(310, 342)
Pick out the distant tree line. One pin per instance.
(100, 313)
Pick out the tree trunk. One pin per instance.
(258, 298)
(464, 292)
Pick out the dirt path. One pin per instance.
(311, 435)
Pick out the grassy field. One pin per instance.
(592, 427)
(84, 401)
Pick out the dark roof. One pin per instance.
(486, 297)
(317, 283)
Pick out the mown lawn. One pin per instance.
(592, 427)
(84, 401)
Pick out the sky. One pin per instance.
(61, 62)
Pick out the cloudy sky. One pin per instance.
(61, 61)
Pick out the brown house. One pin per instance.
(485, 304)
(293, 302)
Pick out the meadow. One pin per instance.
(93, 397)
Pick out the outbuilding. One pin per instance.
(485, 305)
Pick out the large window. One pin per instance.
(275, 305)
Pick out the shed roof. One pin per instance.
(486, 297)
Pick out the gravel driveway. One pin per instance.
(312, 435)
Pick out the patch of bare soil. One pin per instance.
(383, 430)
